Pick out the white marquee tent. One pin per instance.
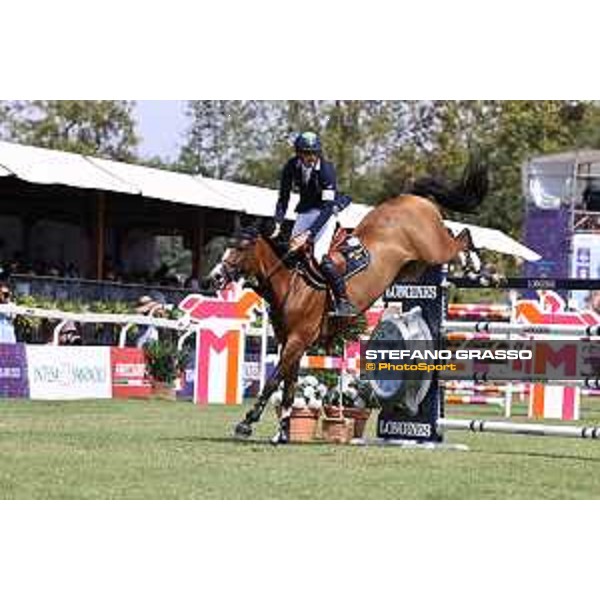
(52, 167)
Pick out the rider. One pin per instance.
(315, 179)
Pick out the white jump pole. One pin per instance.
(508, 394)
(478, 426)
(588, 382)
(523, 328)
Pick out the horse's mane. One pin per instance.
(278, 246)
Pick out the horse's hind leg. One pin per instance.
(244, 428)
(469, 258)
(472, 264)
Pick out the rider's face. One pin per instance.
(308, 159)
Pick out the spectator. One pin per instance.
(7, 330)
(148, 307)
(69, 335)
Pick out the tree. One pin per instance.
(4, 120)
(219, 137)
(380, 147)
(357, 136)
(276, 123)
(100, 128)
(587, 134)
(523, 129)
(444, 132)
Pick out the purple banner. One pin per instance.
(187, 388)
(547, 232)
(13, 371)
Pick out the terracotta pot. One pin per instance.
(333, 412)
(163, 391)
(360, 416)
(337, 430)
(303, 424)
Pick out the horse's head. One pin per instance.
(239, 260)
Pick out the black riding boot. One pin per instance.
(343, 306)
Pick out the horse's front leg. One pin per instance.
(289, 387)
(244, 428)
(290, 364)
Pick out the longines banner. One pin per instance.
(69, 373)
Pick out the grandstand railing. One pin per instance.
(89, 290)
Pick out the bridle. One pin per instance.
(232, 273)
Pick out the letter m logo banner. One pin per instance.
(218, 368)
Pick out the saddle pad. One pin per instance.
(356, 256)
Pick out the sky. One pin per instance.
(161, 125)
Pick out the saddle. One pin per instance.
(348, 254)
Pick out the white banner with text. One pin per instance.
(69, 373)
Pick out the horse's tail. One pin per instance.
(465, 196)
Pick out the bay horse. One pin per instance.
(404, 236)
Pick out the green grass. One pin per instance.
(151, 449)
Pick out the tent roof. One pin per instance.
(53, 167)
(166, 185)
(574, 157)
(38, 165)
(495, 240)
(564, 164)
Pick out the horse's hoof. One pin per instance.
(279, 438)
(243, 430)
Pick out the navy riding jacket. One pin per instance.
(322, 179)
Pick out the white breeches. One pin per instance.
(323, 238)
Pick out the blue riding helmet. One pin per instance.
(308, 142)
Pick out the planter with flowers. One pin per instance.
(306, 409)
(164, 364)
(354, 403)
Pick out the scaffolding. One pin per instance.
(559, 182)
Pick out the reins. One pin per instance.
(275, 269)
